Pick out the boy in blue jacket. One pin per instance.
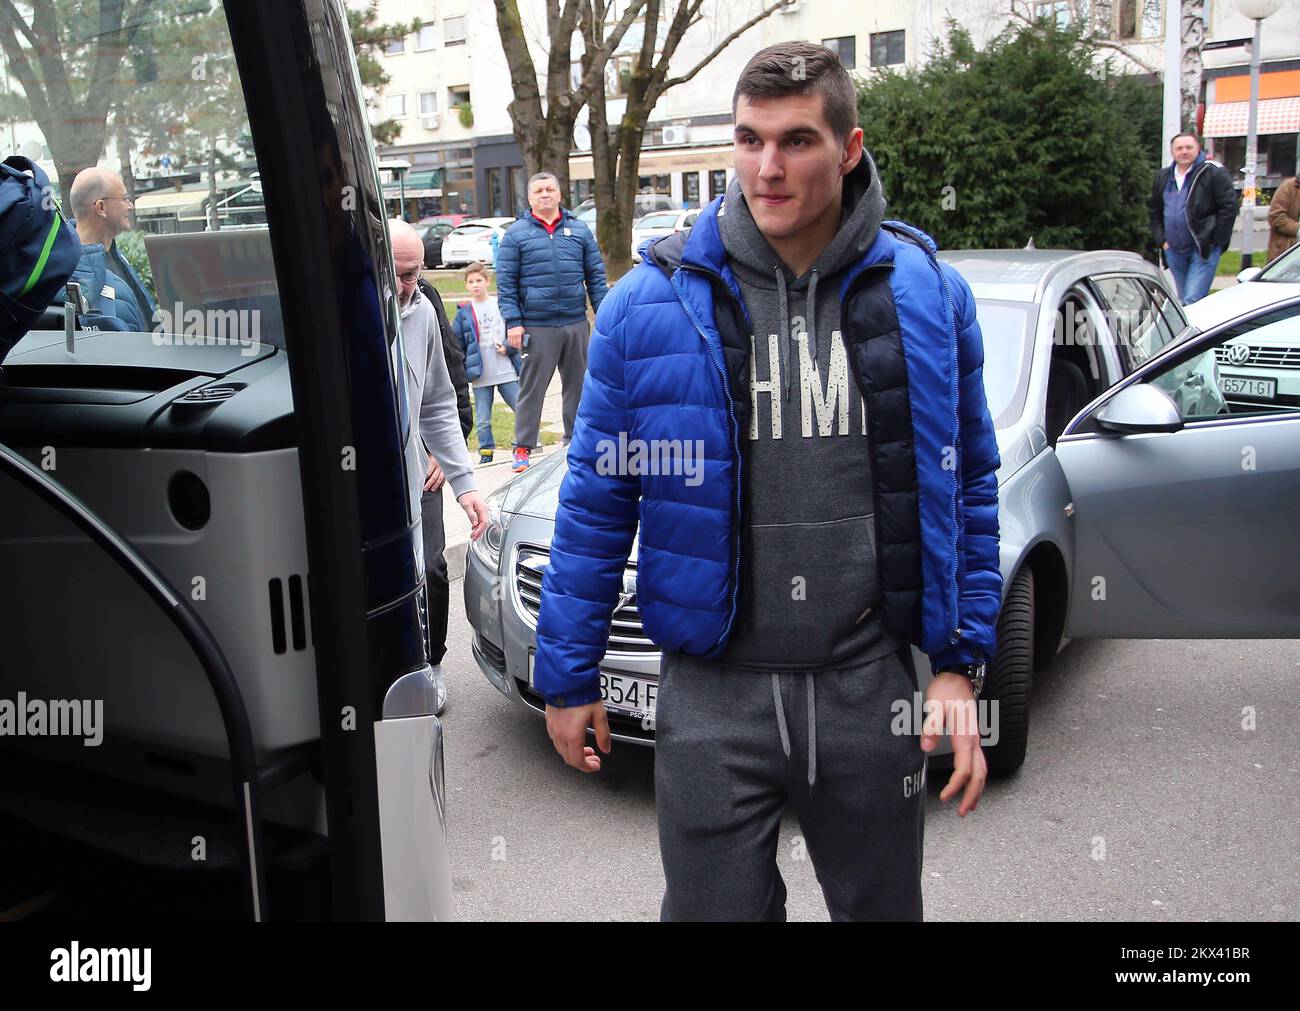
(491, 365)
(826, 369)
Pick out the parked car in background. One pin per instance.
(658, 224)
(472, 240)
(1260, 369)
(432, 231)
(1060, 330)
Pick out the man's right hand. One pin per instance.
(515, 335)
(567, 727)
(1165, 246)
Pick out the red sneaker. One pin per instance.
(521, 459)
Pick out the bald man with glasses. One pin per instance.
(102, 210)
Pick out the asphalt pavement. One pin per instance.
(1143, 798)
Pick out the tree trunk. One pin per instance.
(1193, 37)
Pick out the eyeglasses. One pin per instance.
(410, 277)
(125, 197)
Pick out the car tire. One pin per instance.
(1010, 677)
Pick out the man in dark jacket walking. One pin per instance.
(1192, 207)
(548, 265)
(786, 405)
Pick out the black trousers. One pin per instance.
(435, 573)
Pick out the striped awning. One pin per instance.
(1274, 115)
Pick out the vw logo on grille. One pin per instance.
(1238, 354)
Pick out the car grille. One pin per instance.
(1273, 356)
(625, 635)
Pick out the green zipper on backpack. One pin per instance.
(44, 257)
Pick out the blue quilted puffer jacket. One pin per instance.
(669, 360)
(114, 289)
(544, 278)
(466, 327)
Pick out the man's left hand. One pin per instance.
(950, 709)
(435, 478)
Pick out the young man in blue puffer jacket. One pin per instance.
(789, 399)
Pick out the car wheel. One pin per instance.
(1010, 677)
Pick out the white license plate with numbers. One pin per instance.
(621, 693)
(1248, 386)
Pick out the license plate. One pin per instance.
(1245, 386)
(621, 693)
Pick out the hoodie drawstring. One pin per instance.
(812, 723)
(810, 325)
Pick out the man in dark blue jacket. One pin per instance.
(788, 401)
(1191, 208)
(547, 266)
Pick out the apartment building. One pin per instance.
(469, 159)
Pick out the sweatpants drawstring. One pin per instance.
(812, 723)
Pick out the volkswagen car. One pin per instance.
(1263, 370)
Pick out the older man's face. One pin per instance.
(544, 198)
(116, 206)
(408, 259)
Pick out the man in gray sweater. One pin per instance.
(443, 454)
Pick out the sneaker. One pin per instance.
(440, 690)
(521, 459)
(485, 456)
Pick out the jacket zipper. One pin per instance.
(956, 432)
(1188, 203)
(735, 443)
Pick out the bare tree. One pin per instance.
(67, 56)
(616, 152)
(1097, 18)
(544, 130)
(1191, 65)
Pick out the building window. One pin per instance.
(846, 48)
(717, 183)
(428, 103)
(691, 188)
(495, 198)
(888, 48)
(396, 47)
(618, 76)
(396, 106)
(1137, 19)
(425, 38)
(453, 31)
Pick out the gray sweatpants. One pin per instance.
(730, 755)
(548, 347)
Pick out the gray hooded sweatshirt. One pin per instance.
(810, 596)
(432, 397)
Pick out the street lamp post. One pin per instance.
(1257, 11)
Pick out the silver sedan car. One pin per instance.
(1116, 519)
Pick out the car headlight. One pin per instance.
(488, 547)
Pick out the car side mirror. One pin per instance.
(1140, 408)
(1249, 274)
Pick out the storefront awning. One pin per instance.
(169, 200)
(1274, 115)
(417, 184)
(660, 162)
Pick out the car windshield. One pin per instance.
(472, 230)
(1286, 268)
(1005, 327)
(155, 163)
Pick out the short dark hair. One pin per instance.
(1186, 133)
(476, 267)
(802, 68)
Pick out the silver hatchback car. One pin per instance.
(1095, 384)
